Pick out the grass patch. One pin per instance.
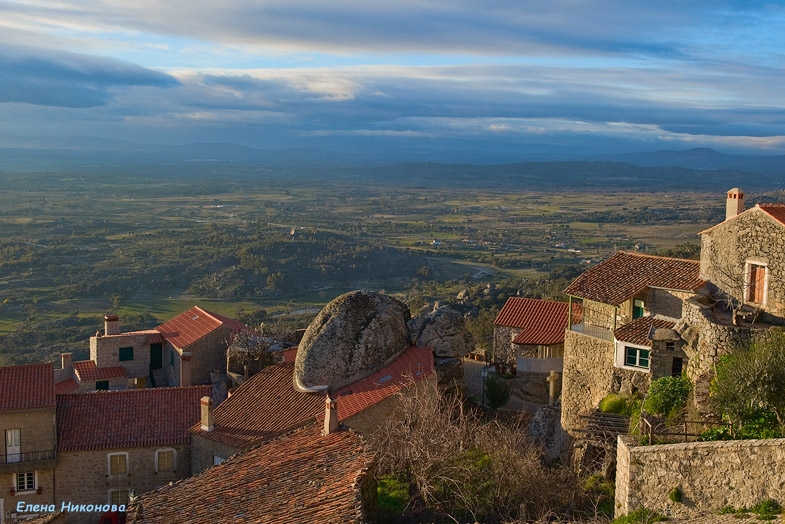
(392, 497)
(640, 516)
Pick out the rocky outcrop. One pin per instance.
(444, 330)
(353, 336)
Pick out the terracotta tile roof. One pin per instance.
(624, 275)
(86, 370)
(302, 477)
(265, 406)
(268, 405)
(66, 386)
(637, 331)
(413, 365)
(777, 211)
(188, 327)
(27, 386)
(125, 419)
(542, 321)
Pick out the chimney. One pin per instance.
(185, 369)
(111, 325)
(735, 203)
(330, 416)
(66, 363)
(207, 413)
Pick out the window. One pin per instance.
(670, 346)
(118, 463)
(156, 352)
(25, 481)
(638, 309)
(118, 497)
(102, 385)
(126, 354)
(165, 460)
(676, 367)
(636, 357)
(13, 445)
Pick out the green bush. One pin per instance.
(676, 495)
(639, 516)
(497, 390)
(667, 395)
(392, 497)
(620, 404)
(766, 509)
(718, 433)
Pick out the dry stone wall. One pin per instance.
(587, 378)
(710, 475)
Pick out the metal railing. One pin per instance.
(30, 456)
(679, 433)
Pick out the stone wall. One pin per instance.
(43, 481)
(204, 450)
(752, 236)
(587, 377)
(208, 354)
(105, 352)
(705, 341)
(666, 302)
(37, 429)
(82, 477)
(503, 348)
(710, 475)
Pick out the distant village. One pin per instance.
(179, 424)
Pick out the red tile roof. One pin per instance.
(86, 370)
(413, 365)
(541, 321)
(190, 326)
(27, 386)
(624, 275)
(776, 211)
(66, 386)
(267, 405)
(125, 419)
(637, 331)
(302, 477)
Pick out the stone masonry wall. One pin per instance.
(208, 354)
(705, 341)
(503, 348)
(82, 476)
(37, 429)
(105, 352)
(204, 450)
(711, 475)
(587, 377)
(752, 235)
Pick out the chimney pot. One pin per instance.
(734, 204)
(207, 413)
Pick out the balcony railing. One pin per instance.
(30, 456)
(602, 333)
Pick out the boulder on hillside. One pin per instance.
(355, 335)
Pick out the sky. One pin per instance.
(499, 75)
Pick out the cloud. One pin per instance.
(67, 79)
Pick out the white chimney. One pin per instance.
(734, 203)
(330, 416)
(66, 363)
(207, 413)
(111, 325)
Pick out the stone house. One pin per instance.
(621, 334)
(744, 257)
(302, 477)
(113, 443)
(268, 405)
(529, 333)
(195, 345)
(180, 352)
(29, 437)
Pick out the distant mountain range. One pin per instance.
(699, 169)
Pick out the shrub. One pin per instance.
(497, 390)
(667, 395)
(392, 497)
(620, 404)
(675, 495)
(766, 509)
(640, 516)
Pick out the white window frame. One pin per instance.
(621, 354)
(109, 465)
(25, 491)
(748, 277)
(174, 460)
(13, 451)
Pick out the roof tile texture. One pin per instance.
(27, 386)
(86, 370)
(190, 326)
(624, 275)
(541, 321)
(303, 477)
(637, 331)
(775, 210)
(126, 419)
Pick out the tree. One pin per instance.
(749, 381)
(464, 467)
(497, 390)
(248, 349)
